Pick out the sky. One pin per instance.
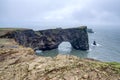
(43, 14)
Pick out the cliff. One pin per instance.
(51, 38)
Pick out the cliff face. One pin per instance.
(50, 39)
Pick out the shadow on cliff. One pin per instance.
(65, 48)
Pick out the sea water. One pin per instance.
(107, 48)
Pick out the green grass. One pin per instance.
(3, 31)
(11, 29)
(115, 66)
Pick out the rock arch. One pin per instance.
(51, 38)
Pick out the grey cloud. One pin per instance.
(25, 9)
(102, 11)
(54, 12)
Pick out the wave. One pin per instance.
(90, 49)
(96, 45)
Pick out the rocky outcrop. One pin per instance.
(50, 39)
(90, 31)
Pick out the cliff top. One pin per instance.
(59, 28)
(12, 29)
(4, 31)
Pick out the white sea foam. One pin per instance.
(96, 45)
(90, 50)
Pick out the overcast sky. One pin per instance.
(58, 13)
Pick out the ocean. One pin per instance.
(107, 48)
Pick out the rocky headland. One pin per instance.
(51, 38)
(20, 63)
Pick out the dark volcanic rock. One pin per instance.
(90, 31)
(50, 39)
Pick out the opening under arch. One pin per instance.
(65, 47)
